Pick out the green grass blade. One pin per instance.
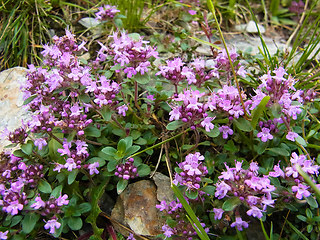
(300, 234)
(193, 218)
(257, 112)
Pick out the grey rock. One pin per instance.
(164, 191)
(11, 101)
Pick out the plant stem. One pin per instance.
(158, 144)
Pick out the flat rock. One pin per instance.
(136, 208)
(164, 191)
(11, 102)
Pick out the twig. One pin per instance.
(158, 163)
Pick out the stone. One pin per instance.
(136, 208)
(252, 28)
(11, 101)
(164, 191)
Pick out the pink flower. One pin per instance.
(265, 135)
(53, 224)
(3, 235)
(255, 212)
(122, 110)
(218, 212)
(239, 224)
(93, 168)
(301, 191)
(206, 123)
(192, 12)
(292, 136)
(62, 200)
(39, 203)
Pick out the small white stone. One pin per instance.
(252, 28)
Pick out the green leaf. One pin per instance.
(122, 146)
(230, 147)
(72, 176)
(106, 113)
(75, 223)
(257, 112)
(192, 194)
(18, 153)
(243, 124)
(301, 141)
(131, 150)
(174, 125)
(15, 220)
(112, 165)
(142, 79)
(231, 204)
(29, 99)
(27, 148)
(209, 189)
(279, 151)
(312, 202)
(144, 170)
(121, 185)
(109, 151)
(56, 192)
(213, 133)
(84, 207)
(29, 221)
(96, 193)
(276, 110)
(44, 187)
(92, 132)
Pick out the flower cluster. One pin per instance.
(223, 67)
(75, 157)
(192, 169)
(106, 12)
(52, 206)
(126, 170)
(227, 100)
(15, 178)
(176, 71)
(192, 111)
(183, 228)
(291, 174)
(133, 55)
(267, 129)
(253, 191)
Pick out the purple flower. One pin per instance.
(225, 130)
(106, 12)
(3, 235)
(39, 203)
(162, 206)
(40, 143)
(218, 212)
(70, 164)
(239, 224)
(301, 191)
(93, 168)
(265, 135)
(14, 207)
(206, 123)
(292, 136)
(53, 224)
(62, 200)
(168, 231)
(131, 237)
(277, 171)
(255, 212)
(122, 110)
(222, 190)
